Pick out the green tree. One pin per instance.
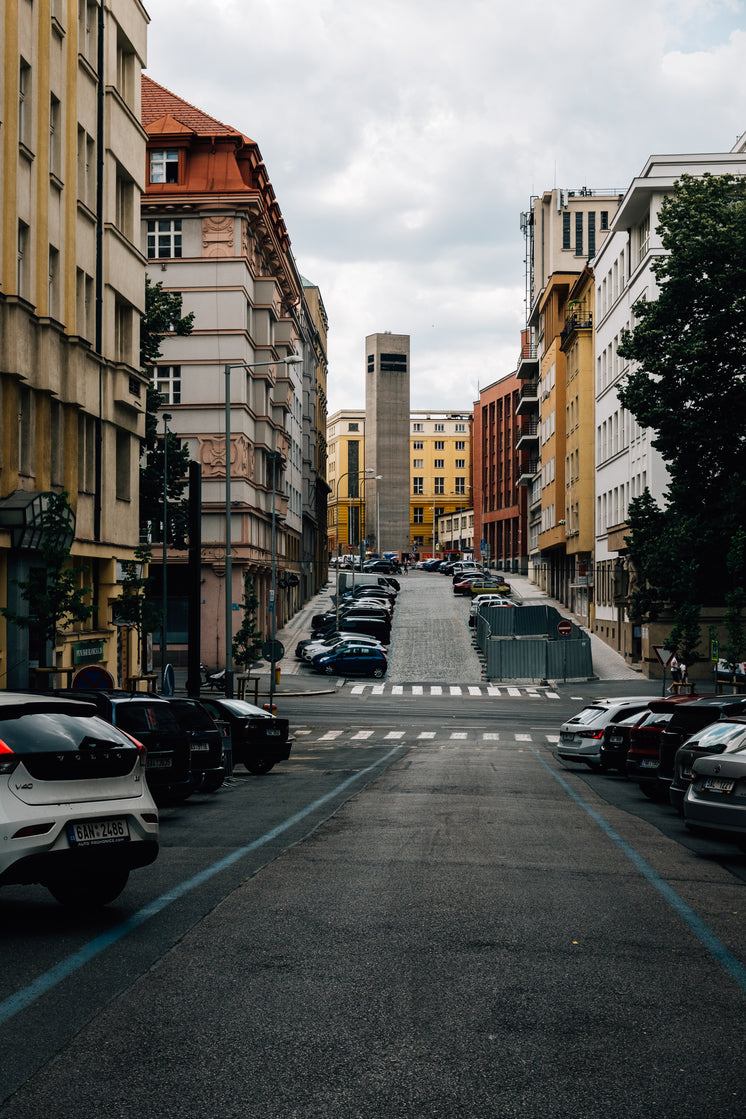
(689, 385)
(162, 315)
(136, 605)
(247, 644)
(53, 592)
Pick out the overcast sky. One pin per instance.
(403, 139)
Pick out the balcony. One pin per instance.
(529, 398)
(528, 362)
(578, 319)
(527, 472)
(528, 435)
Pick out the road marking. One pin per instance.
(330, 734)
(397, 689)
(359, 689)
(417, 689)
(514, 691)
(692, 920)
(427, 734)
(474, 691)
(492, 690)
(458, 734)
(523, 738)
(395, 734)
(378, 689)
(363, 734)
(49, 979)
(491, 736)
(454, 690)
(297, 732)
(435, 689)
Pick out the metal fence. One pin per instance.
(524, 643)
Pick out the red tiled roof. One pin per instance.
(159, 103)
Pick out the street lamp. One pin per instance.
(292, 359)
(164, 610)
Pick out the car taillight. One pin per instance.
(142, 750)
(590, 734)
(8, 760)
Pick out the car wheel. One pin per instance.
(378, 672)
(258, 766)
(329, 670)
(90, 891)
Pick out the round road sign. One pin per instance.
(564, 628)
(273, 650)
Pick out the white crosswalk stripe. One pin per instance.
(467, 737)
(498, 691)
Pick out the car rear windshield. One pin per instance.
(729, 735)
(37, 733)
(588, 715)
(138, 717)
(193, 716)
(656, 719)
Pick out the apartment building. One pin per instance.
(440, 472)
(347, 481)
(505, 443)
(626, 461)
(72, 282)
(213, 231)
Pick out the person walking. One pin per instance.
(675, 673)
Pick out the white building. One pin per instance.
(626, 462)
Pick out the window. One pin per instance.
(25, 430)
(440, 427)
(57, 442)
(86, 452)
(460, 445)
(461, 464)
(440, 485)
(604, 219)
(168, 383)
(86, 169)
(440, 464)
(123, 475)
(125, 204)
(126, 70)
(24, 103)
(461, 485)
(55, 137)
(579, 233)
(419, 464)
(353, 427)
(460, 427)
(643, 235)
(418, 445)
(566, 230)
(440, 445)
(592, 233)
(417, 485)
(393, 363)
(418, 541)
(84, 304)
(164, 238)
(123, 332)
(164, 165)
(24, 261)
(417, 427)
(418, 515)
(53, 290)
(87, 23)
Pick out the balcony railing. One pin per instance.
(577, 320)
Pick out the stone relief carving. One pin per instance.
(217, 236)
(211, 455)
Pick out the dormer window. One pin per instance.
(164, 165)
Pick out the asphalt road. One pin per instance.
(421, 914)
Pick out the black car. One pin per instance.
(259, 740)
(373, 627)
(151, 720)
(616, 741)
(686, 720)
(205, 741)
(719, 737)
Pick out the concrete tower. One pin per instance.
(387, 441)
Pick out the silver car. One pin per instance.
(581, 736)
(716, 798)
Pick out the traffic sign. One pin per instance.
(564, 628)
(93, 676)
(663, 654)
(273, 650)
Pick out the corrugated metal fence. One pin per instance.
(524, 644)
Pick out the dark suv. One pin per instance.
(259, 740)
(205, 743)
(152, 721)
(687, 719)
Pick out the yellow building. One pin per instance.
(577, 344)
(440, 445)
(71, 292)
(345, 476)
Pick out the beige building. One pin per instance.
(440, 445)
(346, 478)
(72, 284)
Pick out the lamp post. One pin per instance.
(273, 457)
(367, 470)
(164, 609)
(292, 359)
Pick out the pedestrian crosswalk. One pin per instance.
(456, 690)
(372, 737)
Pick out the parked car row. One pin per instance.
(688, 751)
(351, 638)
(82, 773)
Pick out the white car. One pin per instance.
(581, 736)
(316, 647)
(76, 813)
(487, 600)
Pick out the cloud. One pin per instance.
(404, 138)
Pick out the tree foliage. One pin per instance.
(136, 606)
(688, 385)
(247, 644)
(162, 314)
(55, 598)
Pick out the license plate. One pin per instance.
(718, 784)
(274, 733)
(616, 739)
(84, 833)
(565, 737)
(200, 747)
(158, 763)
(649, 763)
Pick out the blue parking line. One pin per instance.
(702, 931)
(65, 968)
